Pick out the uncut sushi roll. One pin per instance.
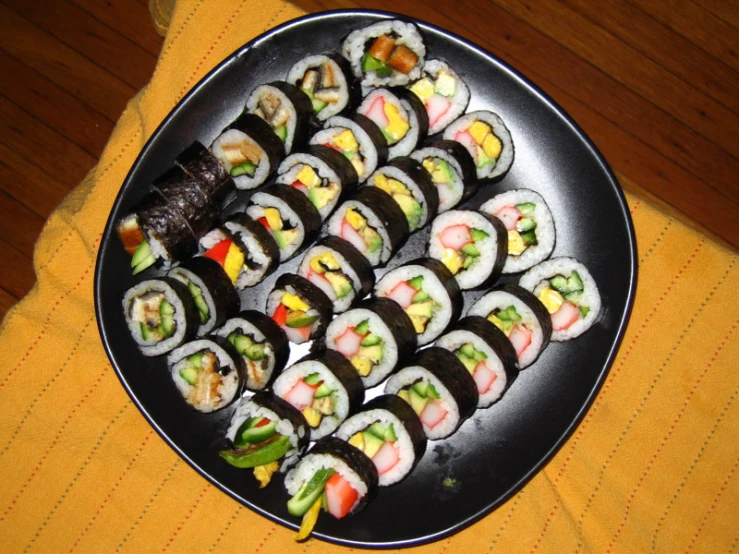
(389, 432)
(520, 316)
(249, 150)
(339, 270)
(443, 93)
(328, 81)
(486, 353)
(411, 187)
(568, 292)
(160, 314)
(201, 164)
(471, 245)
(324, 387)
(373, 223)
(322, 174)
(452, 170)
(299, 307)
(292, 219)
(185, 196)
(208, 373)
(488, 141)
(286, 109)
(529, 225)
(438, 388)
(262, 345)
(375, 337)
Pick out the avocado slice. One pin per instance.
(442, 173)
(470, 249)
(478, 234)
(369, 340)
(246, 168)
(266, 454)
(418, 402)
(372, 353)
(374, 241)
(362, 328)
(416, 282)
(469, 363)
(281, 132)
(425, 309)
(372, 443)
(323, 391)
(320, 196)
(249, 433)
(420, 296)
(285, 237)
(377, 429)
(299, 319)
(189, 374)
(309, 493)
(341, 284)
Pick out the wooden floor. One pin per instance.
(654, 83)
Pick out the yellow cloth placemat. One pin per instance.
(652, 468)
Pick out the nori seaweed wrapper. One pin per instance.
(303, 207)
(447, 279)
(388, 212)
(418, 174)
(418, 108)
(284, 410)
(184, 195)
(399, 324)
(465, 161)
(311, 295)
(340, 164)
(403, 411)
(375, 135)
(540, 311)
(157, 219)
(276, 338)
(303, 110)
(201, 164)
(262, 236)
(261, 133)
(501, 251)
(356, 260)
(344, 371)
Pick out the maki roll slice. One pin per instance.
(201, 164)
(452, 170)
(529, 225)
(375, 337)
(443, 93)
(488, 141)
(486, 353)
(262, 345)
(389, 432)
(569, 293)
(160, 314)
(427, 292)
(266, 435)
(438, 388)
(324, 387)
(521, 317)
(322, 174)
(286, 108)
(208, 373)
(339, 270)
(471, 245)
(299, 307)
(411, 187)
(328, 81)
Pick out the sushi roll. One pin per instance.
(322, 174)
(389, 432)
(324, 387)
(299, 307)
(521, 317)
(438, 388)
(185, 196)
(373, 223)
(266, 434)
(201, 164)
(211, 290)
(488, 141)
(328, 81)
(568, 292)
(412, 188)
(375, 337)
(286, 108)
(389, 53)
(486, 353)
(472, 245)
(358, 138)
(452, 170)
(249, 150)
(529, 225)
(160, 314)
(428, 293)
(262, 345)
(339, 270)
(208, 373)
(292, 219)
(401, 117)
(443, 93)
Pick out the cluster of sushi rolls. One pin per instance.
(261, 343)
(428, 292)
(373, 223)
(488, 141)
(339, 270)
(486, 353)
(299, 307)
(389, 432)
(529, 225)
(290, 217)
(520, 316)
(472, 246)
(324, 387)
(569, 293)
(452, 170)
(328, 81)
(400, 115)
(322, 174)
(208, 372)
(287, 110)
(411, 187)
(444, 94)
(375, 337)
(439, 389)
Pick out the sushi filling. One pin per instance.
(402, 195)
(385, 57)
(482, 143)
(443, 176)
(239, 154)
(511, 323)
(345, 142)
(461, 248)
(200, 303)
(475, 362)
(562, 297)
(361, 347)
(521, 226)
(228, 254)
(257, 356)
(270, 108)
(296, 317)
(314, 398)
(326, 273)
(379, 443)
(417, 303)
(356, 230)
(204, 382)
(389, 118)
(436, 93)
(155, 316)
(425, 401)
(320, 190)
(321, 86)
(283, 231)
(143, 257)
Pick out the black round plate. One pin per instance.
(494, 453)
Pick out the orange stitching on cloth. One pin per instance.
(179, 32)
(546, 526)
(112, 491)
(53, 444)
(507, 519)
(264, 540)
(667, 436)
(657, 241)
(229, 523)
(187, 517)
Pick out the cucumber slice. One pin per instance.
(254, 435)
(525, 224)
(323, 391)
(420, 388)
(470, 249)
(584, 310)
(142, 252)
(468, 350)
(189, 374)
(299, 319)
(468, 261)
(281, 132)
(195, 360)
(242, 343)
(416, 282)
(371, 340)
(390, 435)
(268, 453)
(574, 297)
(478, 234)
(312, 379)
(417, 402)
(431, 392)
(146, 333)
(526, 208)
(529, 238)
(255, 352)
(309, 493)
(167, 325)
(370, 63)
(362, 328)
(378, 430)
(575, 282)
(420, 296)
(318, 105)
(145, 263)
(559, 283)
(165, 308)
(246, 168)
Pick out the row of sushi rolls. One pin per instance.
(341, 146)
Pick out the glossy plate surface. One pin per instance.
(493, 454)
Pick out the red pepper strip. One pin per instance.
(219, 251)
(280, 315)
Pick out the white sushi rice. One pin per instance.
(392, 172)
(451, 194)
(458, 102)
(234, 136)
(340, 304)
(297, 71)
(379, 256)
(311, 463)
(252, 104)
(254, 380)
(409, 141)
(261, 200)
(535, 279)
(291, 166)
(249, 277)
(545, 230)
(504, 161)
(184, 276)
(367, 150)
(273, 301)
